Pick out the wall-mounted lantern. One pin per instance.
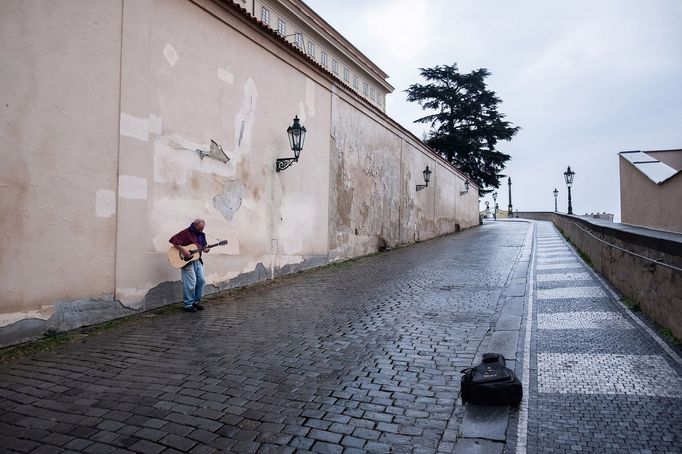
(466, 188)
(296, 134)
(427, 177)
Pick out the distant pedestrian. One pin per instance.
(193, 273)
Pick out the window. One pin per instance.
(299, 40)
(346, 74)
(325, 60)
(311, 49)
(281, 27)
(335, 67)
(355, 81)
(372, 94)
(265, 15)
(365, 88)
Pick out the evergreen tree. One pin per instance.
(466, 124)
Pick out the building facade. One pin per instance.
(123, 121)
(651, 189)
(300, 25)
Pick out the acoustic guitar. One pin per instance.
(176, 259)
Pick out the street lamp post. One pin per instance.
(568, 175)
(509, 208)
(556, 194)
(495, 207)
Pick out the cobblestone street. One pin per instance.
(366, 356)
(362, 356)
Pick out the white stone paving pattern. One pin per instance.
(556, 259)
(583, 320)
(571, 292)
(560, 277)
(558, 266)
(638, 375)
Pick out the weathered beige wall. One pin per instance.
(647, 204)
(99, 170)
(215, 84)
(376, 168)
(59, 70)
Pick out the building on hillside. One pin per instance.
(124, 120)
(651, 189)
(303, 27)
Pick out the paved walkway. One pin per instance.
(365, 356)
(599, 382)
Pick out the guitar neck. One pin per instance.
(208, 246)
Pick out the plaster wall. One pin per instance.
(213, 84)
(647, 204)
(58, 157)
(116, 137)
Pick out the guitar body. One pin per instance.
(176, 259)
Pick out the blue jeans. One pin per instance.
(192, 283)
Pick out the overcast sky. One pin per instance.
(584, 79)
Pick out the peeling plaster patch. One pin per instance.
(44, 313)
(225, 76)
(105, 203)
(154, 124)
(170, 54)
(135, 127)
(283, 260)
(130, 187)
(131, 298)
(301, 112)
(175, 158)
(229, 202)
(244, 120)
(241, 132)
(215, 152)
(310, 96)
(297, 209)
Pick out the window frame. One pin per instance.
(324, 58)
(356, 82)
(335, 67)
(311, 49)
(281, 27)
(265, 15)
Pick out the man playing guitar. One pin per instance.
(192, 273)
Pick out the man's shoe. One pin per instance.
(198, 306)
(189, 309)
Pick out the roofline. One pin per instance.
(662, 151)
(246, 16)
(307, 10)
(653, 161)
(651, 151)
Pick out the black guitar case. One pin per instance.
(491, 383)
